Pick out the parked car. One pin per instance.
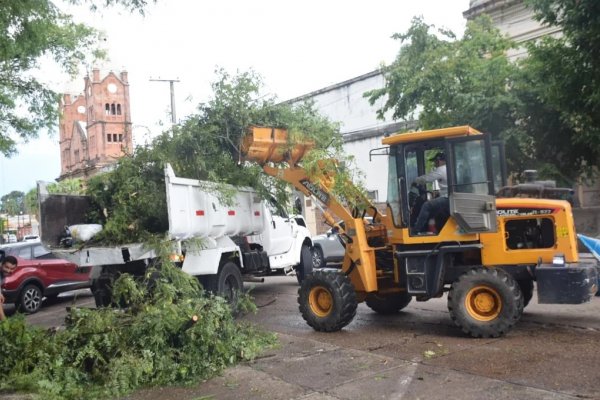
(39, 274)
(31, 238)
(12, 238)
(327, 248)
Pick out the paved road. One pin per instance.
(553, 353)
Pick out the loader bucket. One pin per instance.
(263, 145)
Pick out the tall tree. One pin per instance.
(561, 88)
(441, 81)
(31, 30)
(13, 203)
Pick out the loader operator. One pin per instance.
(440, 205)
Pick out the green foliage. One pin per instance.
(545, 107)
(106, 353)
(13, 203)
(130, 201)
(67, 186)
(32, 29)
(561, 89)
(444, 81)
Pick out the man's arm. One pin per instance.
(433, 176)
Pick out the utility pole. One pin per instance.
(172, 86)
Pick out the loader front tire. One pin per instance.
(305, 267)
(389, 304)
(485, 302)
(327, 300)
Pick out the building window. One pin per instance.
(120, 137)
(373, 195)
(112, 109)
(108, 137)
(118, 109)
(107, 109)
(76, 156)
(92, 113)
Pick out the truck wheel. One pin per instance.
(30, 299)
(526, 286)
(305, 267)
(227, 283)
(327, 300)
(102, 290)
(318, 260)
(485, 302)
(390, 304)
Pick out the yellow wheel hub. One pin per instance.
(483, 303)
(321, 301)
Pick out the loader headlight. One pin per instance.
(558, 259)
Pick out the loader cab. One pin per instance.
(469, 177)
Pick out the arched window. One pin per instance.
(107, 109)
(112, 109)
(118, 109)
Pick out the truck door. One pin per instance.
(471, 184)
(278, 236)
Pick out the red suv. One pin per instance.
(39, 274)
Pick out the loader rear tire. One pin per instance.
(485, 302)
(327, 300)
(526, 286)
(389, 304)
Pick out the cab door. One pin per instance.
(471, 183)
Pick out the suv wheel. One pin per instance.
(30, 299)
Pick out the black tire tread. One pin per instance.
(389, 304)
(345, 302)
(510, 314)
(526, 286)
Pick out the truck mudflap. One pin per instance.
(574, 283)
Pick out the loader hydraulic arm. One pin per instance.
(267, 146)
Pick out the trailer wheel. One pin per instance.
(305, 267)
(389, 304)
(526, 286)
(485, 302)
(327, 300)
(227, 283)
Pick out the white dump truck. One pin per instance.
(222, 243)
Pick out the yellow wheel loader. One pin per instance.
(486, 252)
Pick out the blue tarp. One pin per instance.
(592, 244)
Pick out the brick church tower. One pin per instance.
(95, 127)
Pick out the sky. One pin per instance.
(297, 47)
